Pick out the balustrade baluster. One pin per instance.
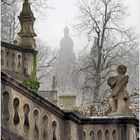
(5, 111)
(26, 111)
(16, 115)
(45, 128)
(36, 130)
(54, 125)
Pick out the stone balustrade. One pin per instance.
(17, 61)
(24, 117)
(30, 116)
(11, 60)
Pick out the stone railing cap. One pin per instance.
(19, 48)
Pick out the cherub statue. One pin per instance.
(119, 94)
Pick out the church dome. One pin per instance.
(66, 40)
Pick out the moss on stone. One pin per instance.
(33, 82)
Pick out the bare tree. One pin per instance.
(102, 21)
(9, 21)
(9, 13)
(34, 3)
(8, 2)
(45, 59)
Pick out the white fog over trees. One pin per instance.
(110, 43)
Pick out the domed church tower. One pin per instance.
(65, 63)
(66, 42)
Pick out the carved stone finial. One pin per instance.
(26, 32)
(119, 94)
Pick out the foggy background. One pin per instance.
(53, 60)
(49, 28)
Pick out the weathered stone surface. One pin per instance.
(119, 95)
(50, 96)
(7, 135)
(17, 61)
(53, 122)
(26, 32)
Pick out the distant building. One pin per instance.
(65, 66)
(65, 63)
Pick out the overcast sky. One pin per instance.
(50, 29)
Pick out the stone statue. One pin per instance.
(54, 83)
(119, 94)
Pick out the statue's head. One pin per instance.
(121, 69)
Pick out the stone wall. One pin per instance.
(27, 114)
(67, 101)
(50, 96)
(7, 135)
(17, 60)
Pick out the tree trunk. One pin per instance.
(97, 86)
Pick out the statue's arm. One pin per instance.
(111, 82)
(120, 85)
